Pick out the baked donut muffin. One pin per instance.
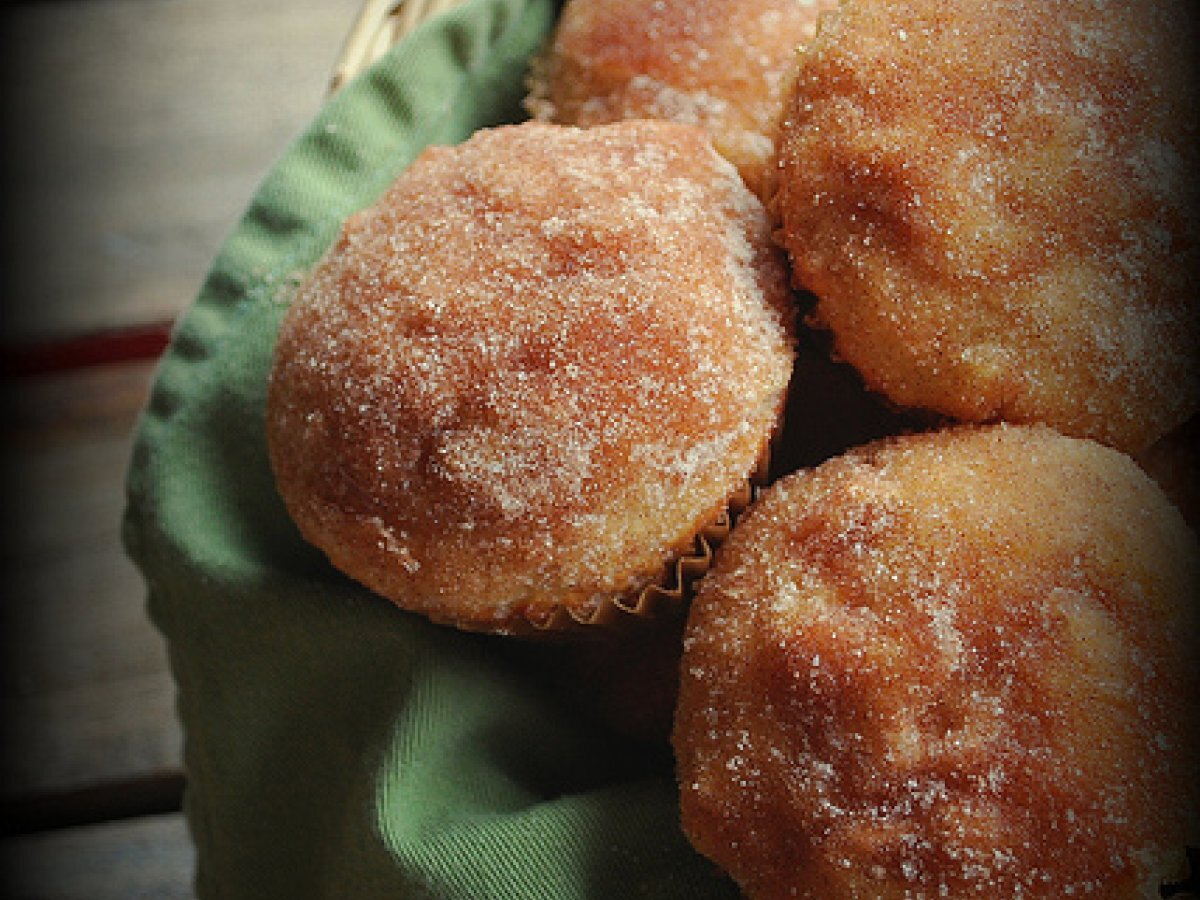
(528, 377)
(995, 204)
(725, 65)
(955, 664)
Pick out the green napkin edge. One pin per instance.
(370, 131)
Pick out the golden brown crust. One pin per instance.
(725, 65)
(996, 204)
(532, 371)
(953, 664)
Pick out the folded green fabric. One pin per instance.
(336, 746)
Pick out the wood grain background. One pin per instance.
(134, 133)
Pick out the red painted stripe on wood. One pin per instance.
(140, 342)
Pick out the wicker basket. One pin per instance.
(379, 26)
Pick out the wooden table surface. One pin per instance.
(135, 132)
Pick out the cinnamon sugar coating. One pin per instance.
(532, 371)
(725, 65)
(996, 205)
(959, 664)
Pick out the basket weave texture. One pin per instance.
(380, 25)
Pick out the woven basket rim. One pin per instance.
(379, 26)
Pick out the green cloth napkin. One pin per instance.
(334, 745)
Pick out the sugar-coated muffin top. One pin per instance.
(996, 206)
(532, 370)
(960, 664)
(725, 65)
